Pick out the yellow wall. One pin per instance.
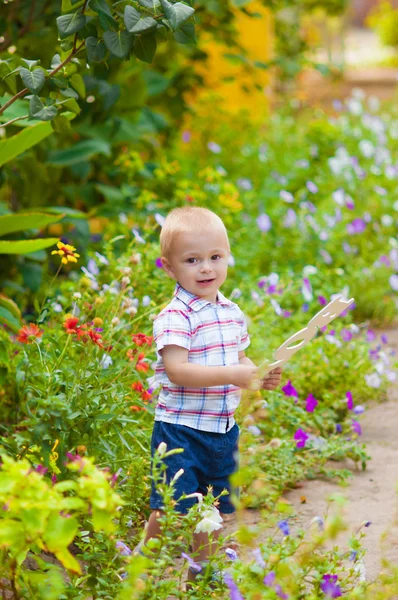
(240, 85)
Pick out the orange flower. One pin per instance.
(146, 395)
(66, 252)
(70, 324)
(140, 364)
(96, 338)
(131, 354)
(29, 333)
(137, 386)
(140, 339)
(137, 408)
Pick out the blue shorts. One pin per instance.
(208, 459)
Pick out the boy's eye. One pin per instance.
(191, 261)
(215, 257)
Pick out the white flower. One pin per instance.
(177, 475)
(236, 293)
(162, 448)
(231, 261)
(102, 259)
(373, 380)
(146, 301)
(309, 270)
(123, 218)
(57, 307)
(211, 521)
(137, 236)
(106, 361)
(115, 321)
(277, 308)
(125, 280)
(387, 220)
(160, 219)
(367, 148)
(77, 295)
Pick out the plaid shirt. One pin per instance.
(213, 334)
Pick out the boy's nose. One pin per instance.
(206, 267)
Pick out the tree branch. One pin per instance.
(13, 120)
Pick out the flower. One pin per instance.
(329, 586)
(286, 196)
(280, 593)
(137, 386)
(29, 333)
(264, 223)
(269, 579)
(301, 438)
(311, 403)
(192, 564)
(231, 553)
(123, 549)
(311, 187)
(339, 428)
(373, 380)
(66, 252)
(350, 404)
(358, 409)
(146, 395)
(70, 324)
(106, 361)
(140, 339)
(284, 527)
(158, 263)
(356, 427)
(211, 521)
(289, 389)
(213, 147)
(140, 364)
(394, 282)
(233, 588)
(356, 226)
(346, 335)
(306, 289)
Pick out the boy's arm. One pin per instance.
(186, 374)
(271, 381)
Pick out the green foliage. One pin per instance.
(384, 20)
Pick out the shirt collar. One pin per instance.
(197, 303)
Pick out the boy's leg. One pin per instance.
(203, 549)
(153, 528)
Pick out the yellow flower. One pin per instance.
(67, 253)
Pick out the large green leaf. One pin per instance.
(145, 47)
(104, 14)
(33, 80)
(26, 246)
(177, 13)
(185, 34)
(9, 319)
(69, 24)
(135, 22)
(10, 305)
(15, 145)
(82, 151)
(118, 42)
(38, 110)
(22, 221)
(95, 49)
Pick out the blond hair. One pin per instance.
(188, 219)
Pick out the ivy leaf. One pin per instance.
(33, 80)
(185, 34)
(38, 110)
(118, 43)
(145, 47)
(135, 22)
(77, 83)
(69, 24)
(104, 14)
(30, 63)
(95, 49)
(176, 13)
(151, 4)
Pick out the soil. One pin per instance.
(371, 494)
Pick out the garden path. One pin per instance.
(371, 494)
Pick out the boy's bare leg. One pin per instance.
(153, 528)
(203, 548)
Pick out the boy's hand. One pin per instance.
(243, 375)
(272, 380)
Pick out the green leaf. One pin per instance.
(68, 5)
(69, 562)
(59, 532)
(61, 124)
(151, 4)
(69, 24)
(118, 43)
(17, 144)
(70, 104)
(95, 49)
(135, 22)
(9, 319)
(185, 34)
(104, 14)
(82, 151)
(176, 13)
(145, 47)
(10, 305)
(38, 110)
(77, 83)
(26, 246)
(30, 63)
(33, 80)
(25, 221)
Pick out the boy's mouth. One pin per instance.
(205, 281)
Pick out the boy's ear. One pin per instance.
(167, 267)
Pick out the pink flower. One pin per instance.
(301, 438)
(290, 390)
(350, 404)
(311, 403)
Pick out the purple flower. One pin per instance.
(359, 409)
(123, 549)
(286, 196)
(280, 593)
(350, 404)
(264, 223)
(290, 390)
(194, 566)
(290, 218)
(394, 282)
(286, 313)
(233, 588)
(346, 335)
(385, 260)
(353, 555)
(245, 184)
(305, 307)
(322, 300)
(158, 263)
(330, 587)
(311, 403)
(384, 338)
(368, 524)
(284, 527)
(301, 438)
(370, 336)
(356, 226)
(231, 553)
(356, 427)
(269, 579)
(213, 147)
(339, 428)
(259, 557)
(186, 136)
(312, 187)
(349, 202)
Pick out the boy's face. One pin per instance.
(199, 262)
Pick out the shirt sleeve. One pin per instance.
(244, 341)
(172, 327)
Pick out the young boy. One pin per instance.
(201, 339)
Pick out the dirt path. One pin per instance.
(371, 494)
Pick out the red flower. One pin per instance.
(29, 333)
(96, 338)
(140, 364)
(70, 324)
(146, 395)
(140, 339)
(137, 386)
(130, 354)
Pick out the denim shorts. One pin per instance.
(208, 459)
